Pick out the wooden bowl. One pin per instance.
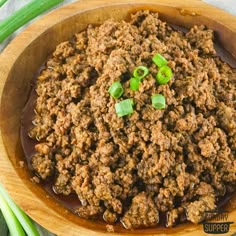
(19, 63)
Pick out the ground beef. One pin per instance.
(196, 210)
(177, 162)
(142, 212)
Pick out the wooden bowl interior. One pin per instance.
(17, 87)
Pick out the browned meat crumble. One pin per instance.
(179, 161)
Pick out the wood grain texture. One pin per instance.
(20, 61)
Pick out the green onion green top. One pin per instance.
(134, 83)
(124, 107)
(24, 15)
(140, 72)
(164, 75)
(116, 89)
(158, 101)
(2, 2)
(159, 60)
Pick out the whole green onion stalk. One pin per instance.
(24, 15)
(17, 221)
(2, 2)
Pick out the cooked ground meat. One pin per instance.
(178, 161)
(142, 212)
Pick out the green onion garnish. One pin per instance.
(159, 60)
(134, 83)
(124, 107)
(164, 75)
(116, 89)
(140, 72)
(158, 101)
(15, 217)
(24, 15)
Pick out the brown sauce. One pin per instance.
(71, 202)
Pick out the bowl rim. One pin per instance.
(17, 46)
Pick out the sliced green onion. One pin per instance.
(159, 60)
(24, 15)
(135, 83)
(116, 89)
(24, 220)
(158, 101)
(140, 72)
(2, 2)
(124, 107)
(13, 224)
(164, 75)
